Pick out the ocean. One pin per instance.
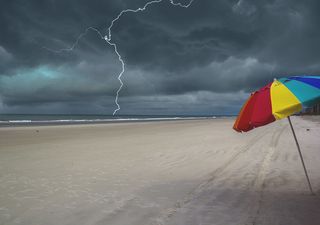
(60, 119)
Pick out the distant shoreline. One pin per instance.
(27, 123)
(62, 122)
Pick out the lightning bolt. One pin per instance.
(108, 39)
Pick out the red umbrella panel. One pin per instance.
(256, 112)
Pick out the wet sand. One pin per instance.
(196, 172)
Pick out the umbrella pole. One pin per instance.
(301, 157)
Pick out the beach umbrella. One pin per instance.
(277, 100)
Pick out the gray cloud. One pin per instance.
(173, 55)
(4, 55)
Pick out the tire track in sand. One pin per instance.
(168, 213)
(259, 182)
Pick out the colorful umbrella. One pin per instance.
(279, 100)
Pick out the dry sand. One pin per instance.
(170, 173)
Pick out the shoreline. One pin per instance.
(3, 124)
(107, 121)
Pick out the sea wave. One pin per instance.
(72, 121)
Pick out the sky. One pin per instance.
(200, 60)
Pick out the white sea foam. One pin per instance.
(98, 120)
(20, 121)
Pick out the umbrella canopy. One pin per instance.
(277, 100)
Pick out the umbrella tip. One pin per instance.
(274, 79)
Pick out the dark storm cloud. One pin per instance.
(221, 48)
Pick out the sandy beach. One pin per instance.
(197, 172)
